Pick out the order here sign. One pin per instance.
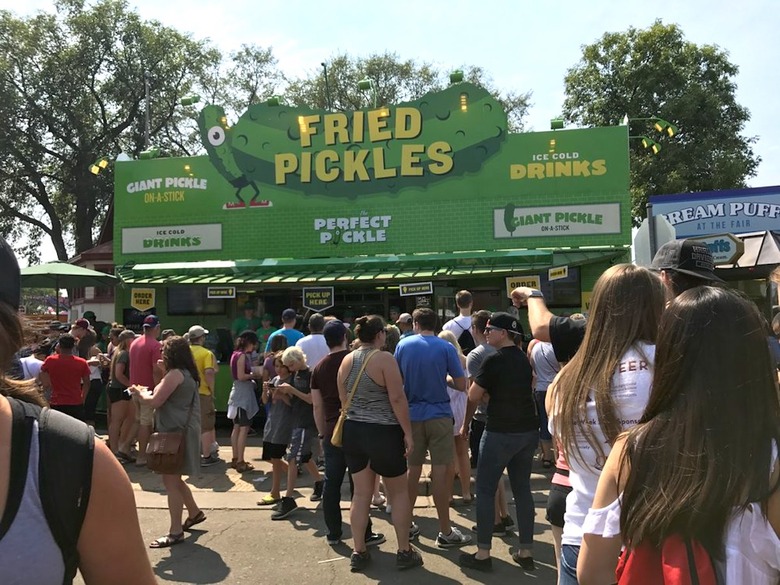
(512, 282)
(142, 299)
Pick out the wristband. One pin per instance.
(536, 294)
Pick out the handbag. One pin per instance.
(165, 451)
(335, 438)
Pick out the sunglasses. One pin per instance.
(489, 329)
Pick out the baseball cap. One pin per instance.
(126, 334)
(289, 314)
(11, 282)
(197, 331)
(249, 306)
(334, 333)
(90, 315)
(404, 318)
(505, 321)
(688, 257)
(267, 317)
(83, 323)
(151, 321)
(56, 326)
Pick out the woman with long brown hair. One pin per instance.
(177, 408)
(103, 556)
(603, 390)
(702, 462)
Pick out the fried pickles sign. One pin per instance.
(348, 154)
(285, 182)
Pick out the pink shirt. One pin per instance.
(144, 353)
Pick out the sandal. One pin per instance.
(547, 463)
(379, 502)
(190, 522)
(167, 540)
(268, 500)
(243, 466)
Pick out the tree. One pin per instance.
(394, 80)
(72, 91)
(656, 72)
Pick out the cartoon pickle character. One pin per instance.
(510, 221)
(217, 138)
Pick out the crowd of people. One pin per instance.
(638, 410)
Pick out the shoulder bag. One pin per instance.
(165, 451)
(335, 439)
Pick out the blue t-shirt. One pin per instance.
(292, 336)
(425, 361)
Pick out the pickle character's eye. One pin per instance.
(216, 135)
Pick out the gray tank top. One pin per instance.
(28, 551)
(370, 403)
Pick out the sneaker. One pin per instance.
(317, 495)
(414, 531)
(455, 538)
(406, 559)
(334, 540)
(286, 507)
(470, 561)
(498, 529)
(507, 521)
(375, 539)
(527, 563)
(210, 460)
(359, 561)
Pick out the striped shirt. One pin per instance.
(370, 403)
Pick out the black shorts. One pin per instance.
(74, 410)
(273, 451)
(116, 394)
(380, 447)
(556, 504)
(242, 419)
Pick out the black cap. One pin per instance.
(10, 281)
(505, 321)
(289, 315)
(689, 257)
(334, 333)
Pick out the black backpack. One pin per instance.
(465, 339)
(66, 448)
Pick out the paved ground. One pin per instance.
(240, 544)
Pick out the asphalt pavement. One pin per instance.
(240, 544)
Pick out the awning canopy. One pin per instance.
(379, 269)
(761, 256)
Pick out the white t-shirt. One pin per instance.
(630, 392)
(315, 348)
(458, 325)
(31, 367)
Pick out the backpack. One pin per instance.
(465, 339)
(679, 561)
(64, 474)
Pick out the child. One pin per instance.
(278, 428)
(242, 404)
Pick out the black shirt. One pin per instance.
(303, 413)
(506, 376)
(566, 336)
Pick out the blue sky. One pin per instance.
(524, 45)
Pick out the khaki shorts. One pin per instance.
(144, 413)
(208, 414)
(433, 435)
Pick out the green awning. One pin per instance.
(368, 269)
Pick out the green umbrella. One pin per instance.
(58, 275)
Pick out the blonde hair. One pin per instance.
(294, 355)
(450, 338)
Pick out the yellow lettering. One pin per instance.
(325, 174)
(307, 130)
(357, 126)
(284, 164)
(377, 122)
(410, 160)
(562, 169)
(536, 171)
(305, 166)
(380, 171)
(335, 126)
(598, 167)
(581, 168)
(408, 123)
(517, 171)
(355, 164)
(439, 153)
